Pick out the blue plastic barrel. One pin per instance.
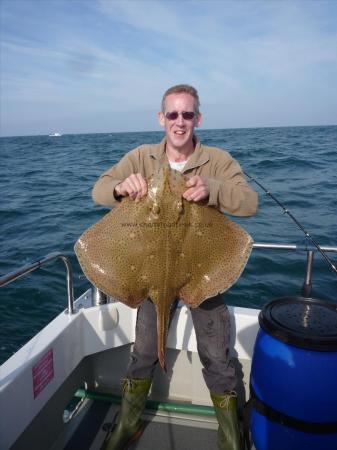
(294, 376)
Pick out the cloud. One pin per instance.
(245, 58)
(245, 44)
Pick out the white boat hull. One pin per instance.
(92, 346)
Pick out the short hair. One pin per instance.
(182, 89)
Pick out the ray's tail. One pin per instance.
(163, 320)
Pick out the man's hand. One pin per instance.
(134, 186)
(198, 189)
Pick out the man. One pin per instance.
(215, 178)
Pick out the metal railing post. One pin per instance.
(307, 285)
(99, 298)
(70, 284)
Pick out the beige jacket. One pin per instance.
(229, 191)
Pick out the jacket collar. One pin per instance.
(199, 157)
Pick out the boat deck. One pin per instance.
(177, 434)
(167, 431)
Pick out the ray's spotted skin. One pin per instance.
(163, 247)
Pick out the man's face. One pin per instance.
(179, 132)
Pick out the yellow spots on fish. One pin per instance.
(151, 256)
(207, 278)
(144, 277)
(199, 265)
(182, 255)
(133, 268)
(132, 235)
(199, 233)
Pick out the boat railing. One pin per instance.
(100, 298)
(307, 284)
(12, 276)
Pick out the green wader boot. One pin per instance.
(225, 406)
(129, 426)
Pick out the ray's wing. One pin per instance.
(112, 254)
(217, 250)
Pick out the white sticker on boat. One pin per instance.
(43, 372)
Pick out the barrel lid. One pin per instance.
(303, 322)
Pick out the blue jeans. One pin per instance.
(212, 325)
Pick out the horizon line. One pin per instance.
(162, 131)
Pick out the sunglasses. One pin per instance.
(187, 115)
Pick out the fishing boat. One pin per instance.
(55, 135)
(61, 390)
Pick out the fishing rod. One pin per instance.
(299, 225)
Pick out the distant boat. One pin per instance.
(55, 134)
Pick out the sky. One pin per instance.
(92, 66)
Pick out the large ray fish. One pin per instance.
(163, 247)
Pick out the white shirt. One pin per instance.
(179, 166)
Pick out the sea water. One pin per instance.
(45, 205)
